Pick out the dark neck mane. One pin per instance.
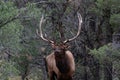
(62, 63)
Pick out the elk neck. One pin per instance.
(62, 61)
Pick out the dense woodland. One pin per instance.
(96, 50)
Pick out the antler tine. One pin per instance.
(41, 33)
(79, 29)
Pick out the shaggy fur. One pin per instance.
(62, 67)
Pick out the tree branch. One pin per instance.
(8, 21)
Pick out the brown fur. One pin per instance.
(63, 66)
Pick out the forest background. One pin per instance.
(96, 50)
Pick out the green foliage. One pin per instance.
(100, 5)
(113, 6)
(7, 11)
(33, 11)
(101, 53)
(36, 74)
(106, 52)
(10, 35)
(56, 1)
(7, 69)
(115, 20)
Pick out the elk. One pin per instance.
(60, 63)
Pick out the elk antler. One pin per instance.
(41, 34)
(79, 28)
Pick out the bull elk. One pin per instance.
(60, 63)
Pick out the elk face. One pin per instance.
(59, 49)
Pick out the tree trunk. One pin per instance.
(94, 68)
(107, 70)
(107, 30)
(107, 35)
